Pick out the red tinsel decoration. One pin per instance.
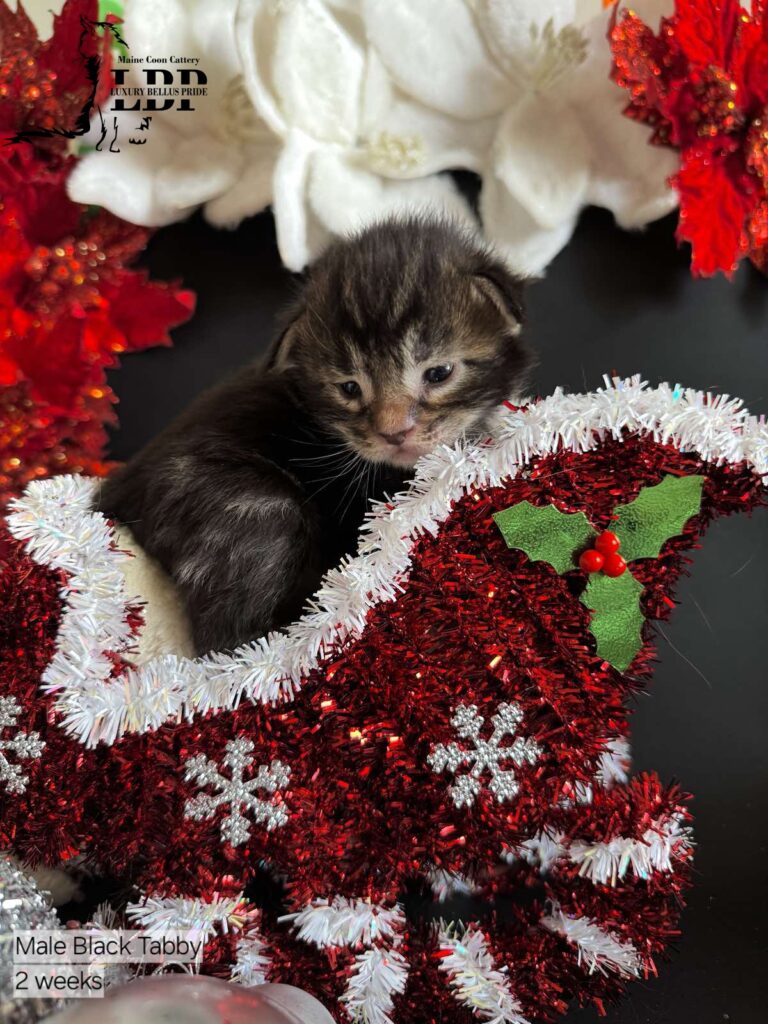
(701, 82)
(476, 622)
(69, 307)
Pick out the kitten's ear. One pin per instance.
(498, 284)
(280, 355)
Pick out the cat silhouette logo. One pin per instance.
(91, 46)
(158, 92)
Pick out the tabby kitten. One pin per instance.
(405, 337)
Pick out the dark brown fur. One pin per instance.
(260, 486)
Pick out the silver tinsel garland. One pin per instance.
(22, 908)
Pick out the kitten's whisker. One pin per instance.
(335, 476)
(353, 483)
(330, 457)
(316, 443)
(336, 471)
(320, 490)
(366, 481)
(334, 464)
(339, 475)
(342, 500)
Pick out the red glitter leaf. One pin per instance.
(69, 39)
(706, 184)
(706, 31)
(17, 30)
(641, 63)
(145, 310)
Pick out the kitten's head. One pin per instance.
(406, 336)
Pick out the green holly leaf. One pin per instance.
(617, 618)
(656, 514)
(546, 534)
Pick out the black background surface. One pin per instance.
(611, 301)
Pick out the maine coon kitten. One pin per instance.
(404, 337)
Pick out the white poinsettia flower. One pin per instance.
(219, 154)
(299, 112)
(340, 111)
(354, 147)
(542, 71)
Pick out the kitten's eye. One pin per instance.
(437, 374)
(351, 388)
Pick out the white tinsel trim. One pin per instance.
(204, 919)
(106, 919)
(345, 922)
(377, 976)
(614, 765)
(252, 965)
(543, 851)
(445, 884)
(615, 762)
(608, 862)
(475, 982)
(597, 950)
(52, 516)
(380, 972)
(157, 915)
(666, 840)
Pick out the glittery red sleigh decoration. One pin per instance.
(701, 83)
(438, 721)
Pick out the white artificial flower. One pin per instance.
(299, 113)
(542, 71)
(353, 147)
(219, 155)
(338, 112)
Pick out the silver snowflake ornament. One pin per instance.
(237, 792)
(484, 756)
(25, 746)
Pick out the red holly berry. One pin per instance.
(614, 565)
(607, 543)
(591, 561)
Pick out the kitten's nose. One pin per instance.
(398, 438)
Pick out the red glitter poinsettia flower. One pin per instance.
(69, 305)
(701, 82)
(49, 84)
